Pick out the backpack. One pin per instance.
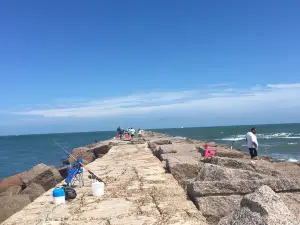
(70, 192)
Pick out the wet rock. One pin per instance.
(14, 190)
(9, 205)
(263, 207)
(10, 182)
(229, 187)
(33, 191)
(216, 207)
(211, 172)
(40, 174)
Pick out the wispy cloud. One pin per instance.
(284, 86)
(214, 101)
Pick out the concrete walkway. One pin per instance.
(137, 191)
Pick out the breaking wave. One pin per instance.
(240, 137)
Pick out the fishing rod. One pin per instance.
(233, 141)
(93, 176)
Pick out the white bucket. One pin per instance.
(98, 188)
(59, 200)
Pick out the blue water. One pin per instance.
(20, 153)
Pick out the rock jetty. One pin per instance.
(159, 179)
(222, 185)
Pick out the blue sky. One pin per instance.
(79, 66)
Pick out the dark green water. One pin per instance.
(19, 153)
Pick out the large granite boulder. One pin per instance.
(82, 152)
(161, 141)
(40, 174)
(63, 171)
(101, 149)
(14, 190)
(182, 167)
(216, 207)
(229, 187)
(11, 181)
(224, 152)
(292, 201)
(258, 166)
(211, 172)
(33, 191)
(57, 176)
(9, 205)
(180, 148)
(263, 207)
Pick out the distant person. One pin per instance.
(119, 132)
(132, 132)
(139, 132)
(252, 142)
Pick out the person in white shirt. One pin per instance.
(252, 142)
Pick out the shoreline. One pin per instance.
(179, 156)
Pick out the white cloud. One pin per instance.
(207, 101)
(284, 86)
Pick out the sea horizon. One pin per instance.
(165, 128)
(22, 152)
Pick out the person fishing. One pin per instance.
(252, 143)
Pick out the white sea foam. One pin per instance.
(292, 160)
(240, 137)
(292, 143)
(179, 137)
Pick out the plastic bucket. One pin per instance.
(58, 196)
(98, 188)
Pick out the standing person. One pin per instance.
(132, 132)
(252, 142)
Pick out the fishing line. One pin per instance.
(93, 176)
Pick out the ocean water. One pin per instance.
(20, 153)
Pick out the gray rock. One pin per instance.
(216, 207)
(259, 166)
(101, 149)
(14, 190)
(224, 152)
(9, 205)
(161, 141)
(263, 207)
(86, 154)
(58, 178)
(11, 181)
(211, 172)
(40, 174)
(33, 191)
(182, 167)
(180, 148)
(63, 171)
(205, 188)
(292, 201)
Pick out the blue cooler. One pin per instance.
(59, 196)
